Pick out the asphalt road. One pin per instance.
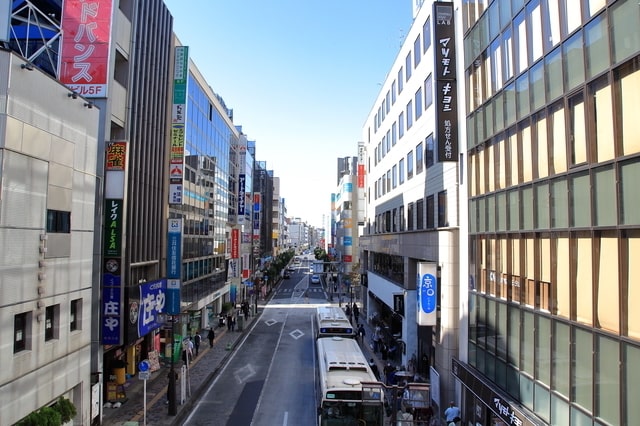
(270, 379)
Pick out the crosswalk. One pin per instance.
(291, 290)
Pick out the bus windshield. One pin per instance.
(350, 413)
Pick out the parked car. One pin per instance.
(286, 275)
(315, 279)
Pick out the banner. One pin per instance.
(427, 293)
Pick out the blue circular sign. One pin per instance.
(428, 293)
(144, 365)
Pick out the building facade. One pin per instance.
(48, 179)
(553, 160)
(409, 249)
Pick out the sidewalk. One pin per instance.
(202, 371)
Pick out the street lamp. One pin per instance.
(171, 390)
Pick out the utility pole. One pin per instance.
(171, 390)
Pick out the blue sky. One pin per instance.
(301, 77)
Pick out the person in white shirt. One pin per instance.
(452, 414)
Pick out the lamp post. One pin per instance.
(171, 390)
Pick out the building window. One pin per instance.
(394, 176)
(388, 101)
(401, 216)
(418, 103)
(51, 322)
(394, 134)
(75, 315)
(388, 180)
(410, 165)
(21, 326)
(420, 214)
(401, 171)
(407, 64)
(409, 114)
(401, 125)
(428, 91)
(416, 52)
(410, 217)
(419, 158)
(58, 221)
(400, 80)
(442, 209)
(430, 212)
(430, 153)
(393, 92)
(426, 34)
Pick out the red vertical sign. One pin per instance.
(235, 243)
(84, 55)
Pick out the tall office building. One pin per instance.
(409, 249)
(553, 160)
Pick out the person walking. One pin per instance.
(356, 311)
(197, 339)
(374, 368)
(211, 336)
(361, 333)
(452, 414)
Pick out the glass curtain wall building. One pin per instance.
(553, 150)
(210, 135)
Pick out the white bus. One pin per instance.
(342, 369)
(332, 321)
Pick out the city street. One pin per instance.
(270, 377)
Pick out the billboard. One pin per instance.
(446, 85)
(84, 50)
(178, 123)
(427, 293)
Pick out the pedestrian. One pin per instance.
(211, 336)
(452, 414)
(374, 368)
(197, 339)
(233, 323)
(229, 321)
(356, 311)
(361, 332)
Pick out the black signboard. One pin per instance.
(446, 86)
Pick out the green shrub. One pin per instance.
(59, 413)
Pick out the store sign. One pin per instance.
(178, 125)
(427, 293)
(152, 304)
(446, 85)
(84, 51)
(499, 405)
(174, 266)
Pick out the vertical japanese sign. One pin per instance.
(174, 266)
(152, 303)
(84, 52)
(235, 243)
(178, 122)
(115, 182)
(256, 218)
(361, 162)
(427, 293)
(446, 86)
(242, 182)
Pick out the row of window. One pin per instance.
(396, 132)
(420, 46)
(596, 124)
(606, 196)
(418, 217)
(585, 55)
(22, 324)
(589, 278)
(562, 372)
(424, 158)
